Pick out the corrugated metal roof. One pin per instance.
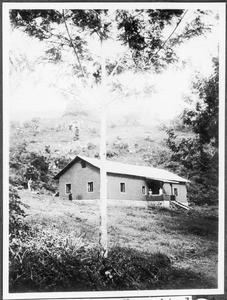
(127, 169)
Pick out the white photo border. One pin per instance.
(100, 5)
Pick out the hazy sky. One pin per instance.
(29, 90)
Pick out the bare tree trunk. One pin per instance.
(103, 175)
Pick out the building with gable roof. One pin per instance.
(80, 179)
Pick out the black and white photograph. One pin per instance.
(113, 150)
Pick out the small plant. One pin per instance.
(111, 154)
(91, 146)
(47, 149)
(76, 134)
(149, 139)
(121, 146)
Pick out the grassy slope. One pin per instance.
(189, 241)
(61, 140)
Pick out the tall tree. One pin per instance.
(197, 157)
(146, 39)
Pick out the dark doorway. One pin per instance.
(154, 186)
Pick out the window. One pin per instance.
(90, 187)
(68, 188)
(175, 191)
(122, 187)
(143, 190)
(83, 164)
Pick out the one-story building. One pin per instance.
(80, 179)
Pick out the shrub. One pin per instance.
(39, 162)
(61, 162)
(76, 134)
(121, 146)
(42, 260)
(155, 156)
(149, 139)
(16, 180)
(201, 193)
(91, 146)
(26, 125)
(110, 154)
(25, 165)
(17, 225)
(49, 263)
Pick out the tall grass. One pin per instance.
(148, 249)
(49, 264)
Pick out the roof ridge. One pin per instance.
(128, 169)
(118, 162)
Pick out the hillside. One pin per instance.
(128, 139)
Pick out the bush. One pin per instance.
(40, 168)
(121, 146)
(149, 139)
(156, 156)
(110, 154)
(42, 260)
(17, 180)
(91, 146)
(17, 225)
(61, 162)
(66, 264)
(202, 194)
(52, 263)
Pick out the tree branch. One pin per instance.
(75, 94)
(164, 43)
(74, 48)
(161, 47)
(118, 63)
(124, 96)
(77, 56)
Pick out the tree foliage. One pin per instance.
(25, 165)
(204, 118)
(141, 33)
(197, 157)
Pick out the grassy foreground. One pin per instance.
(149, 249)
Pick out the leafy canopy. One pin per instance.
(197, 157)
(142, 32)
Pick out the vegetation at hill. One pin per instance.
(149, 249)
(41, 147)
(196, 157)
